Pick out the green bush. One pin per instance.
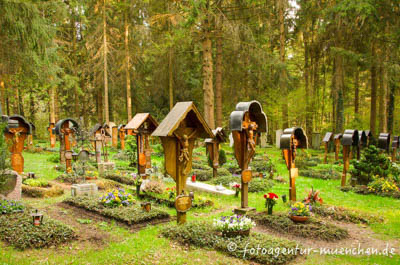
(320, 173)
(199, 165)
(18, 230)
(54, 158)
(222, 157)
(202, 234)
(131, 149)
(225, 180)
(36, 182)
(203, 175)
(7, 206)
(260, 185)
(198, 202)
(130, 215)
(373, 163)
(262, 166)
(119, 177)
(70, 178)
(313, 228)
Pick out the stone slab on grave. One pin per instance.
(11, 190)
(83, 189)
(198, 186)
(105, 166)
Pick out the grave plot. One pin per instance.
(345, 215)
(21, 230)
(312, 228)
(120, 206)
(206, 235)
(40, 188)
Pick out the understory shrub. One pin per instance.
(17, 230)
(166, 199)
(7, 207)
(70, 178)
(263, 166)
(313, 228)
(132, 214)
(260, 185)
(36, 183)
(202, 234)
(54, 158)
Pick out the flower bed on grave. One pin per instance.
(345, 215)
(322, 171)
(18, 230)
(167, 197)
(379, 187)
(204, 235)
(312, 228)
(121, 177)
(39, 188)
(130, 213)
(255, 185)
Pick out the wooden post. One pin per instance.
(98, 146)
(326, 153)
(17, 138)
(122, 138)
(114, 131)
(52, 135)
(67, 134)
(346, 163)
(337, 149)
(394, 152)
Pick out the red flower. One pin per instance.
(272, 195)
(236, 186)
(265, 196)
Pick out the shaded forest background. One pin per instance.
(324, 65)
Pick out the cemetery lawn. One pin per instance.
(105, 242)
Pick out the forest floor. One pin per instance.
(101, 241)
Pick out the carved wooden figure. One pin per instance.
(395, 146)
(142, 125)
(246, 121)
(384, 142)
(350, 139)
(16, 132)
(212, 146)
(66, 129)
(337, 139)
(178, 132)
(328, 138)
(291, 140)
(121, 133)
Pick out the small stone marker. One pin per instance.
(105, 166)
(83, 189)
(263, 140)
(278, 134)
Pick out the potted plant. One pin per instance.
(300, 212)
(313, 197)
(91, 175)
(137, 180)
(270, 201)
(235, 225)
(237, 189)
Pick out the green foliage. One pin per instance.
(260, 185)
(3, 151)
(202, 234)
(70, 178)
(222, 157)
(225, 180)
(18, 230)
(131, 149)
(121, 177)
(84, 221)
(55, 158)
(382, 185)
(130, 215)
(165, 199)
(262, 166)
(154, 186)
(117, 198)
(36, 182)
(318, 173)
(313, 228)
(7, 206)
(42, 192)
(373, 163)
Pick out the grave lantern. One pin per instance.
(65, 130)
(142, 125)
(212, 147)
(291, 140)
(246, 121)
(350, 139)
(395, 146)
(16, 132)
(384, 141)
(53, 139)
(146, 206)
(328, 138)
(178, 132)
(121, 133)
(37, 218)
(337, 139)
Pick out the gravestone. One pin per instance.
(84, 189)
(11, 189)
(231, 142)
(316, 140)
(263, 140)
(105, 166)
(278, 134)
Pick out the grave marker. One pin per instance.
(84, 189)
(178, 132)
(328, 138)
(395, 146)
(350, 139)
(291, 140)
(66, 129)
(384, 142)
(246, 121)
(212, 147)
(122, 132)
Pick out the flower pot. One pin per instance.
(90, 178)
(299, 219)
(242, 233)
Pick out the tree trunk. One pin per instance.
(356, 91)
(3, 97)
(170, 78)
(208, 82)
(105, 65)
(127, 70)
(218, 80)
(391, 107)
(283, 74)
(339, 89)
(308, 95)
(373, 92)
(381, 101)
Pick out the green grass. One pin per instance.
(146, 247)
